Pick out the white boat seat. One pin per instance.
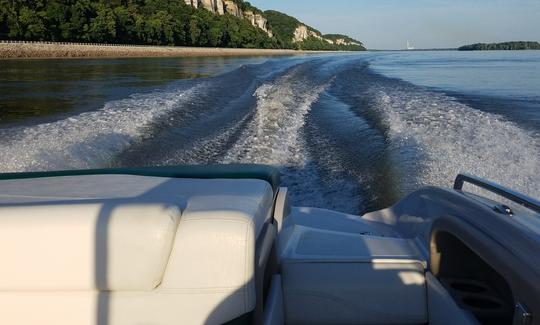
(116, 247)
(122, 249)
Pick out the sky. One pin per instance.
(389, 24)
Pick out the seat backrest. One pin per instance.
(82, 247)
(121, 262)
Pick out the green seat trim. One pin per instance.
(232, 171)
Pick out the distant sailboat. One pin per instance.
(409, 47)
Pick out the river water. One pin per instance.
(352, 132)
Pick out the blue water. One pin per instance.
(504, 82)
(352, 132)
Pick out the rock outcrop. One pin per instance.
(302, 33)
(342, 41)
(259, 21)
(230, 7)
(215, 6)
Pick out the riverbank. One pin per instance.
(38, 50)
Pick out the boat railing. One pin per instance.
(507, 193)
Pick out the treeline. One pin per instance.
(156, 22)
(149, 22)
(501, 46)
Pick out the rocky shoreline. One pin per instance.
(23, 50)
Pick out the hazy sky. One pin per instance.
(388, 24)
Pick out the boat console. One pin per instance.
(367, 277)
(222, 245)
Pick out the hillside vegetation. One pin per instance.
(156, 22)
(336, 37)
(501, 46)
(285, 26)
(152, 22)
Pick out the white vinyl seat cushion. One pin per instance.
(85, 246)
(121, 249)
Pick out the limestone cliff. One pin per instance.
(215, 6)
(302, 32)
(258, 20)
(339, 39)
(230, 7)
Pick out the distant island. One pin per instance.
(196, 23)
(501, 46)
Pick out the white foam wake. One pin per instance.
(450, 137)
(88, 140)
(274, 136)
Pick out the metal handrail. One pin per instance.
(512, 195)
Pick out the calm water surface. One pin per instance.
(504, 82)
(55, 88)
(349, 132)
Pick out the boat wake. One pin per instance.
(91, 139)
(274, 136)
(451, 137)
(345, 137)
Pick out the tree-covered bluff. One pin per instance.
(293, 34)
(501, 46)
(206, 23)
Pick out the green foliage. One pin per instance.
(31, 22)
(103, 26)
(283, 27)
(156, 22)
(501, 46)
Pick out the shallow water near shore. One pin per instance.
(351, 132)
